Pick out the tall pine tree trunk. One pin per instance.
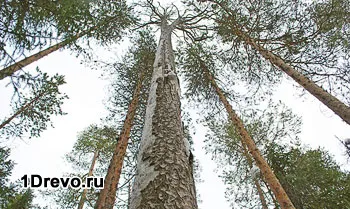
(256, 181)
(107, 196)
(91, 170)
(10, 70)
(265, 169)
(338, 107)
(164, 176)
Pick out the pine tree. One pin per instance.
(72, 20)
(135, 75)
(33, 111)
(198, 62)
(11, 194)
(89, 157)
(288, 43)
(311, 177)
(164, 175)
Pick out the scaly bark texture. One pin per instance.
(91, 170)
(164, 176)
(265, 169)
(107, 196)
(10, 70)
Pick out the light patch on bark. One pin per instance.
(164, 176)
(146, 172)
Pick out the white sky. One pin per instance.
(87, 91)
(44, 155)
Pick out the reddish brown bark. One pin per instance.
(256, 182)
(265, 169)
(10, 70)
(261, 194)
(91, 170)
(107, 196)
(338, 107)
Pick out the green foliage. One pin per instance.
(276, 124)
(33, 111)
(12, 195)
(301, 33)
(311, 178)
(93, 139)
(193, 60)
(28, 25)
(332, 19)
(240, 84)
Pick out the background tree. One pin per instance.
(89, 157)
(134, 74)
(311, 177)
(295, 166)
(33, 111)
(197, 60)
(66, 20)
(288, 37)
(12, 195)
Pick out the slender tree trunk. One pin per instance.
(10, 70)
(22, 109)
(91, 170)
(261, 194)
(265, 169)
(129, 195)
(107, 196)
(338, 107)
(163, 177)
(256, 182)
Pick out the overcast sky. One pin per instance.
(87, 92)
(44, 155)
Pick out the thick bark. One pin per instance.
(10, 70)
(265, 169)
(107, 196)
(22, 109)
(91, 170)
(164, 176)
